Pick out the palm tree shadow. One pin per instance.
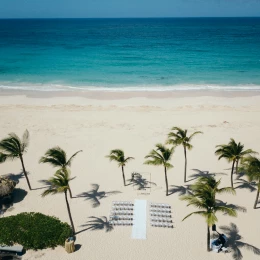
(140, 183)
(232, 206)
(14, 177)
(97, 224)
(199, 173)
(235, 243)
(44, 182)
(182, 190)
(244, 184)
(94, 195)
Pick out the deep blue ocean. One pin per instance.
(130, 54)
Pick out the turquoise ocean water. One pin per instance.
(130, 54)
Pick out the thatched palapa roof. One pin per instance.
(6, 186)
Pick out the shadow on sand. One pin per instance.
(44, 182)
(181, 190)
(140, 183)
(200, 173)
(235, 243)
(244, 184)
(94, 195)
(17, 196)
(14, 177)
(232, 206)
(77, 247)
(97, 224)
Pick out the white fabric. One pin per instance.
(139, 220)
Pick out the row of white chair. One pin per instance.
(160, 210)
(123, 207)
(161, 220)
(161, 224)
(159, 205)
(158, 214)
(122, 212)
(121, 223)
(115, 217)
(123, 203)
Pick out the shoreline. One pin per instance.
(118, 95)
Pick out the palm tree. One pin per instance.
(57, 157)
(60, 184)
(118, 156)
(251, 166)
(13, 147)
(161, 156)
(179, 137)
(203, 197)
(233, 152)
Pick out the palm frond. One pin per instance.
(168, 165)
(211, 218)
(201, 213)
(179, 137)
(154, 161)
(204, 197)
(160, 156)
(229, 211)
(227, 190)
(118, 156)
(49, 191)
(8, 147)
(195, 133)
(59, 183)
(188, 146)
(193, 201)
(12, 146)
(251, 166)
(129, 159)
(3, 157)
(71, 158)
(112, 157)
(25, 140)
(55, 156)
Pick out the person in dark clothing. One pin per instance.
(222, 241)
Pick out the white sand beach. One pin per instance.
(96, 125)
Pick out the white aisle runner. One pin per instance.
(139, 221)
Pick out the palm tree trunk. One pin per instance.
(185, 166)
(25, 173)
(123, 173)
(237, 166)
(70, 192)
(232, 171)
(68, 208)
(166, 180)
(208, 239)
(257, 197)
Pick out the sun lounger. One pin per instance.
(16, 249)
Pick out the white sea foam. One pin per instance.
(140, 88)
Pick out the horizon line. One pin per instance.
(155, 17)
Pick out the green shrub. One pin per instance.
(33, 231)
